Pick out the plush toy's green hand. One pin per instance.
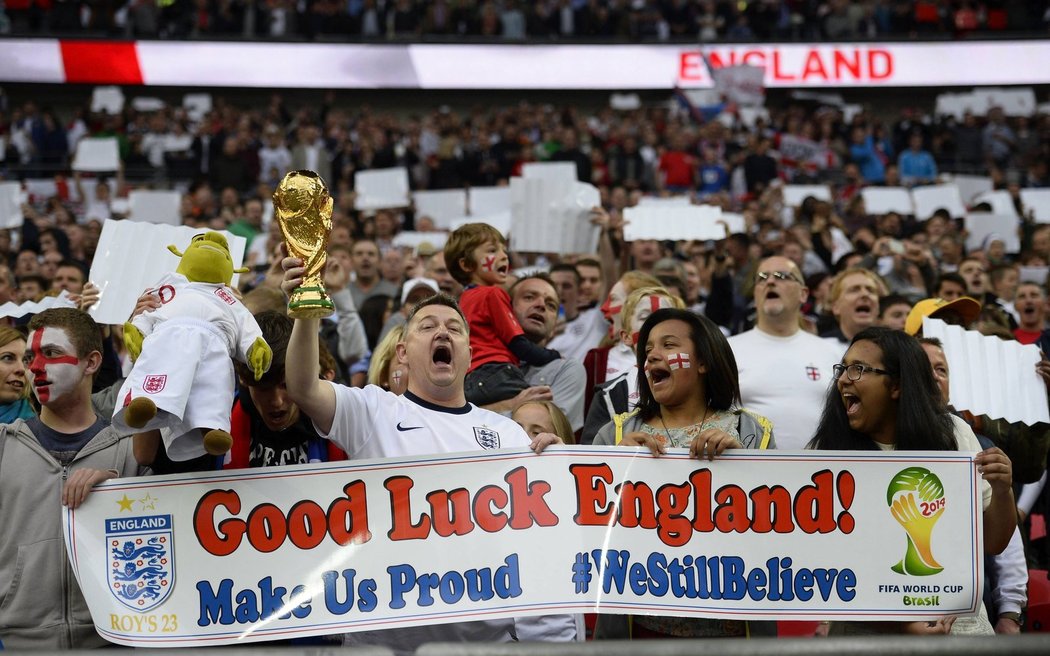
(132, 340)
(259, 356)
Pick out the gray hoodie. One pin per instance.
(41, 606)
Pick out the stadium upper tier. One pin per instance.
(539, 21)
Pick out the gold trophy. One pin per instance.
(303, 209)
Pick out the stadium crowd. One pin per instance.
(803, 291)
(649, 20)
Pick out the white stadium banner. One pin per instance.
(232, 557)
(455, 66)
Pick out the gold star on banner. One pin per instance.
(148, 502)
(125, 503)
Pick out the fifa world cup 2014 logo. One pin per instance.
(917, 516)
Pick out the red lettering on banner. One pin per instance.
(592, 503)
(853, 67)
(455, 513)
(715, 60)
(690, 66)
(755, 58)
(267, 526)
(487, 498)
(883, 71)
(730, 509)
(814, 66)
(777, 73)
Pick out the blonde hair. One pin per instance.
(562, 427)
(837, 284)
(383, 355)
(635, 297)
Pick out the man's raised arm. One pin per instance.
(314, 397)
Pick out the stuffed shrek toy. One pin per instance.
(183, 377)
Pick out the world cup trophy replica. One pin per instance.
(303, 209)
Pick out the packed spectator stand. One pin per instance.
(226, 160)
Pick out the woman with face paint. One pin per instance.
(885, 397)
(619, 392)
(611, 355)
(688, 396)
(14, 390)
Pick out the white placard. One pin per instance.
(1001, 201)
(413, 240)
(11, 205)
(970, 186)
(665, 201)
(132, 255)
(929, 199)
(1037, 203)
(550, 210)
(499, 220)
(97, 154)
(1036, 274)
(795, 194)
(1018, 101)
(442, 205)
(381, 188)
(743, 84)
(880, 200)
(958, 104)
(16, 310)
(196, 105)
(155, 206)
(673, 222)
(40, 189)
(107, 99)
(980, 225)
(147, 104)
(735, 222)
(991, 376)
(489, 200)
(625, 101)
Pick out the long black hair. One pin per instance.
(722, 382)
(923, 422)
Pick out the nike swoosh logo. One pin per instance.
(407, 428)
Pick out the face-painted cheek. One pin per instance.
(488, 265)
(679, 361)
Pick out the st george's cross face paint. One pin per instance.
(679, 361)
(52, 364)
(646, 307)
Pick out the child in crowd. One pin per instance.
(476, 257)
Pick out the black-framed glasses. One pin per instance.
(855, 371)
(764, 276)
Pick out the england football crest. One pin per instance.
(155, 383)
(486, 437)
(142, 560)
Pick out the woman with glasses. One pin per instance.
(688, 396)
(885, 398)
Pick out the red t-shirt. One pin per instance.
(492, 325)
(1027, 336)
(677, 167)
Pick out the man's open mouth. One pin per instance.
(442, 354)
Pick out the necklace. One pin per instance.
(668, 433)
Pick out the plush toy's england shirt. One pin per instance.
(211, 303)
(374, 423)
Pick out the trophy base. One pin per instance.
(310, 303)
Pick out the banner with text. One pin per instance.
(262, 554)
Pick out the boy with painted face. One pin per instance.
(477, 258)
(56, 457)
